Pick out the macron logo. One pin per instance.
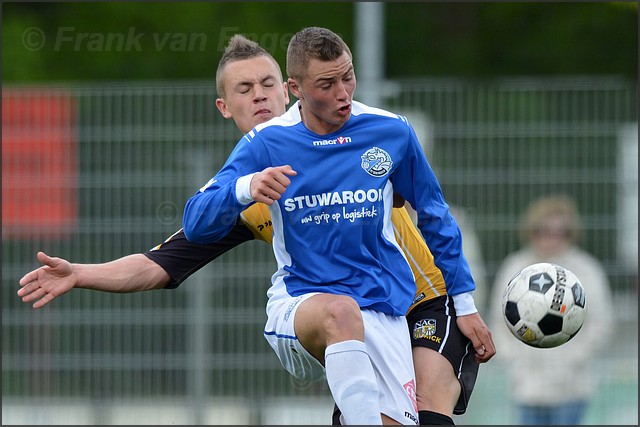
(339, 140)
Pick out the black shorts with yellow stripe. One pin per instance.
(432, 324)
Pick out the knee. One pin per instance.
(343, 318)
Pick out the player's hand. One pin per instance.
(474, 328)
(44, 284)
(270, 184)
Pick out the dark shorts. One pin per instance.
(432, 324)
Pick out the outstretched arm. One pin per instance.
(58, 276)
(165, 266)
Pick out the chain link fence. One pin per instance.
(93, 172)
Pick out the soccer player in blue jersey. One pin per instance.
(251, 92)
(328, 170)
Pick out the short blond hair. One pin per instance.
(238, 49)
(554, 205)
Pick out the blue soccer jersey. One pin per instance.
(332, 229)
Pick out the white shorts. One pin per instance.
(280, 334)
(388, 345)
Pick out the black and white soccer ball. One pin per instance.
(544, 305)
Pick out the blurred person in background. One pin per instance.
(554, 386)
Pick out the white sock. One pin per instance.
(353, 383)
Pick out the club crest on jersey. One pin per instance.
(376, 162)
(424, 328)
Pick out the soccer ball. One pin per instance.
(544, 305)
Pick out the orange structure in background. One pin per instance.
(39, 170)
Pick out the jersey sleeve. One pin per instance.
(212, 211)
(181, 258)
(417, 183)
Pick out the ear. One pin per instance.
(222, 107)
(285, 87)
(295, 89)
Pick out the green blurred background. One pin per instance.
(515, 100)
(478, 40)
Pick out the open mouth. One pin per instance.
(344, 110)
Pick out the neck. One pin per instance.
(315, 124)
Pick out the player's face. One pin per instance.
(254, 92)
(326, 93)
